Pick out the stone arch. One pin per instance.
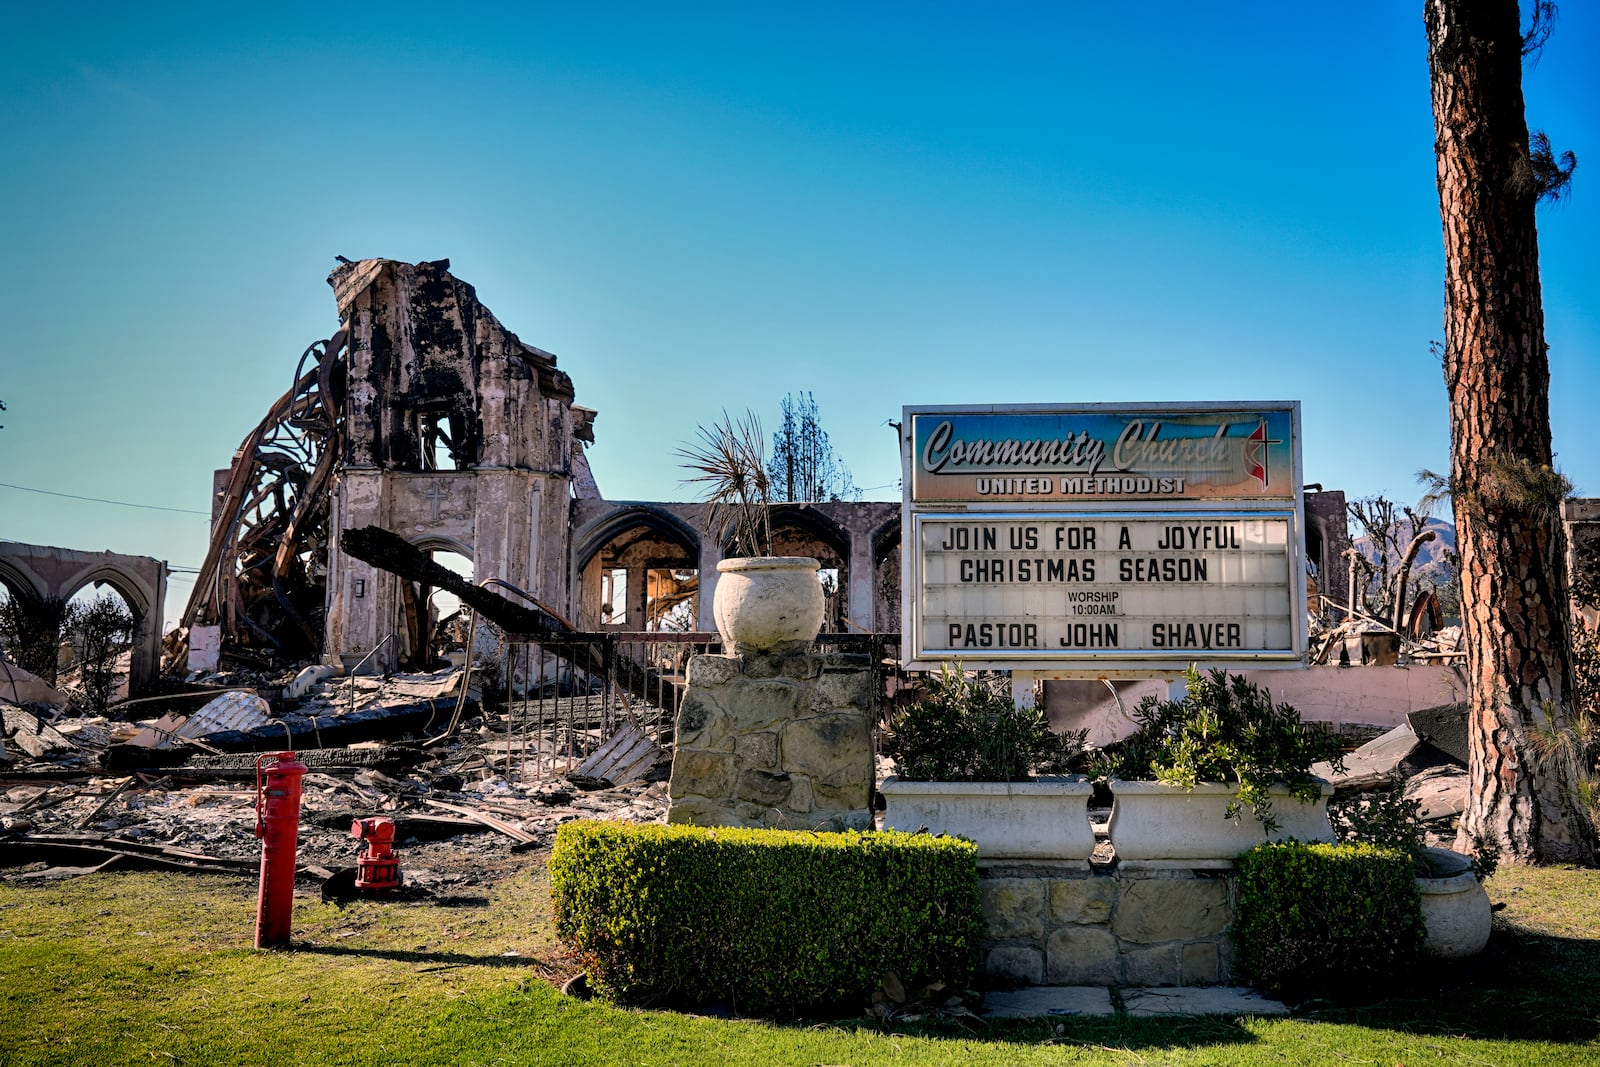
(18, 578)
(126, 585)
(440, 543)
(637, 568)
(594, 535)
(141, 581)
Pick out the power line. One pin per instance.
(102, 500)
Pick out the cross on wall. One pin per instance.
(435, 495)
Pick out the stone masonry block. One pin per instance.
(758, 705)
(1199, 963)
(699, 811)
(699, 773)
(845, 689)
(759, 665)
(1151, 964)
(701, 724)
(709, 672)
(1225, 959)
(825, 745)
(1081, 955)
(801, 797)
(1012, 907)
(822, 821)
(758, 750)
(1015, 963)
(759, 787)
(1081, 900)
(842, 791)
(801, 668)
(1150, 910)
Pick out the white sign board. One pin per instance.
(1034, 539)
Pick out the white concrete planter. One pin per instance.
(764, 602)
(1158, 825)
(1039, 819)
(1455, 907)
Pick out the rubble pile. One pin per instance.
(179, 789)
(1426, 756)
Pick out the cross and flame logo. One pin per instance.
(1255, 453)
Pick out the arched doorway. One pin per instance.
(431, 624)
(639, 570)
(102, 621)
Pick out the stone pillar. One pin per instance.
(775, 740)
(861, 603)
(710, 556)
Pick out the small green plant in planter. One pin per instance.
(967, 755)
(1227, 730)
(968, 729)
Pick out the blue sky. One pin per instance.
(699, 206)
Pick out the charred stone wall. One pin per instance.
(458, 436)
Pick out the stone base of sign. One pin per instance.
(1059, 925)
(775, 740)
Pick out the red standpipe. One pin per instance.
(377, 868)
(278, 825)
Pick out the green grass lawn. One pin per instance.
(142, 968)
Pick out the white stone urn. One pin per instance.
(1154, 824)
(1456, 915)
(1043, 818)
(767, 602)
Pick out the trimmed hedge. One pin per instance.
(1324, 919)
(769, 922)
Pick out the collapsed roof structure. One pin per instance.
(421, 415)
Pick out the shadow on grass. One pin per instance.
(1100, 1031)
(1524, 987)
(437, 959)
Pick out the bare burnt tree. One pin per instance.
(803, 466)
(102, 630)
(1505, 493)
(30, 631)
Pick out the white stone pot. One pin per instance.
(1039, 819)
(1154, 824)
(765, 602)
(1455, 907)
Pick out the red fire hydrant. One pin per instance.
(376, 867)
(278, 826)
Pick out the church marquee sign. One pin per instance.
(1102, 539)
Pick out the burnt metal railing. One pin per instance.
(544, 711)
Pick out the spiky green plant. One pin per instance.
(730, 460)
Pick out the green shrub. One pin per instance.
(769, 922)
(1225, 729)
(1320, 919)
(968, 730)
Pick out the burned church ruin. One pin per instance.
(425, 417)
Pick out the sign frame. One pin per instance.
(1075, 478)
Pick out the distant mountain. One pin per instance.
(1430, 557)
